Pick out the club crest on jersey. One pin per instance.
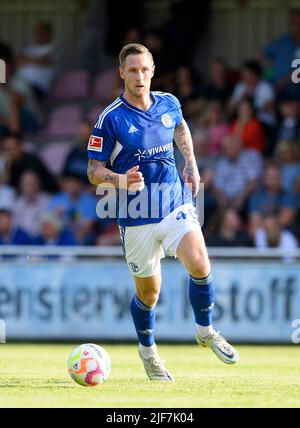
(167, 120)
(95, 143)
(134, 267)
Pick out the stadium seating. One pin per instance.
(72, 85)
(29, 147)
(104, 84)
(63, 121)
(93, 113)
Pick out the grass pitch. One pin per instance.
(35, 375)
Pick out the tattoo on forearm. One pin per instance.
(183, 140)
(92, 168)
(191, 171)
(108, 177)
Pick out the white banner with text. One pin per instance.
(255, 301)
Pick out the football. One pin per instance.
(89, 364)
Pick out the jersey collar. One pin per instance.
(139, 110)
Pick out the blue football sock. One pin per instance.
(202, 296)
(144, 321)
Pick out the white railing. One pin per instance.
(117, 251)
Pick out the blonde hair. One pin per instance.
(133, 49)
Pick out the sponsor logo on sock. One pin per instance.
(146, 332)
(208, 309)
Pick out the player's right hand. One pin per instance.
(135, 179)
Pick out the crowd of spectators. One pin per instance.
(245, 125)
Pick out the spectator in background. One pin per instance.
(288, 126)
(206, 162)
(132, 35)
(218, 87)
(237, 174)
(217, 127)
(154, 42)
(30, 204)
(38, 63)
(77, 160)
(186, 90)
(109, 236)
(280, 54)
(186, 84)
(202, 149)
(210, 127)
(247, 127)
(252, 85)
(7, 193)
(76, 208)
(52, 232)
(10, 234)
(271, 234)
(18, 161)
(287, 154)
(271, 198)
(229, 231)
(18, 107)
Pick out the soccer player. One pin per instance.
(135, 134)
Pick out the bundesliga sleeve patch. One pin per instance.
(95, 143)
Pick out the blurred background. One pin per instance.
(229, 62)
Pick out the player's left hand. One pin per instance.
(191, 177)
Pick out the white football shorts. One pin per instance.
(146, 245)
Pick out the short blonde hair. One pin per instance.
(133, 49)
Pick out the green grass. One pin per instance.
(35, 375)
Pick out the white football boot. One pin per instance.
(155, 369)
(223, 350)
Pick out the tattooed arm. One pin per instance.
(184, 142)
(98, 174)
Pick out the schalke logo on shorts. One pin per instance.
(134, 267)
(167, 120)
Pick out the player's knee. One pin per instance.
(149, 297)
(200, 267)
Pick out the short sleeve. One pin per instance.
(178, 116)
(102, 140)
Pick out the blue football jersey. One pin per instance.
(126, 136)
